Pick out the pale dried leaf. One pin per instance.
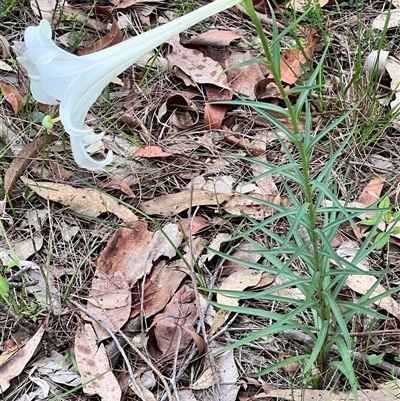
(94, 365)
(201, 69)
(46, 8)
(172, 204)
(380, 21)
(17, 364)
(86, 201)
(110, 301)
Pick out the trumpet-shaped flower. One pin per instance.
(76, 82)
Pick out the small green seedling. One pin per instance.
(385, 221)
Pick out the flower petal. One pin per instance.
(83, 159)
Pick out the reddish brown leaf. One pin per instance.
(241, 143)
(150, 152)
(215, 113)
(166, 335)
(372, 192)
(192, 226)
(112, 38)
(118, 185)
(129, 3)
(132, 251)
(293, 59)
(159, 288)
(12, 96)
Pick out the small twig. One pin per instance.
(149, 364)
(120, 349)
(358, 356)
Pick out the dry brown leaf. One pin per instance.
(172, 204)
(25, 156)
(159, 288)
(110, 301)
(215, 113)
(380, 21)
(393, 68)
(302, 5)
(132, 251)
(237, 281)
(94, 366)
(150, 152)
(183, 112)
(12, 96)
(86, 201)
(293, 59)
(166, 334)
(243, 80)
(17, 363)
(193, 225)
(213, 37)
(112, 38)
(240, 204)
(372, 191)
(227, 376)
(201, 69)
(118, 185)
(242, 143)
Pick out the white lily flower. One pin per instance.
(76, 82)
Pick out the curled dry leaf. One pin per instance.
(86, 201)
(25, 156)
(185, 113)
(12, 96)
(94, 365)
(112, 38)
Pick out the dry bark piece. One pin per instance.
(27, 154)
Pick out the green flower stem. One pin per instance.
(325, 310)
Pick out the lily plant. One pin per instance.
(75, 82)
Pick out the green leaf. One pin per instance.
(381, 240)
(384, 203)
(375, 359)
(371, 221)
(4, 287)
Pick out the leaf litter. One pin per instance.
(195, 196)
